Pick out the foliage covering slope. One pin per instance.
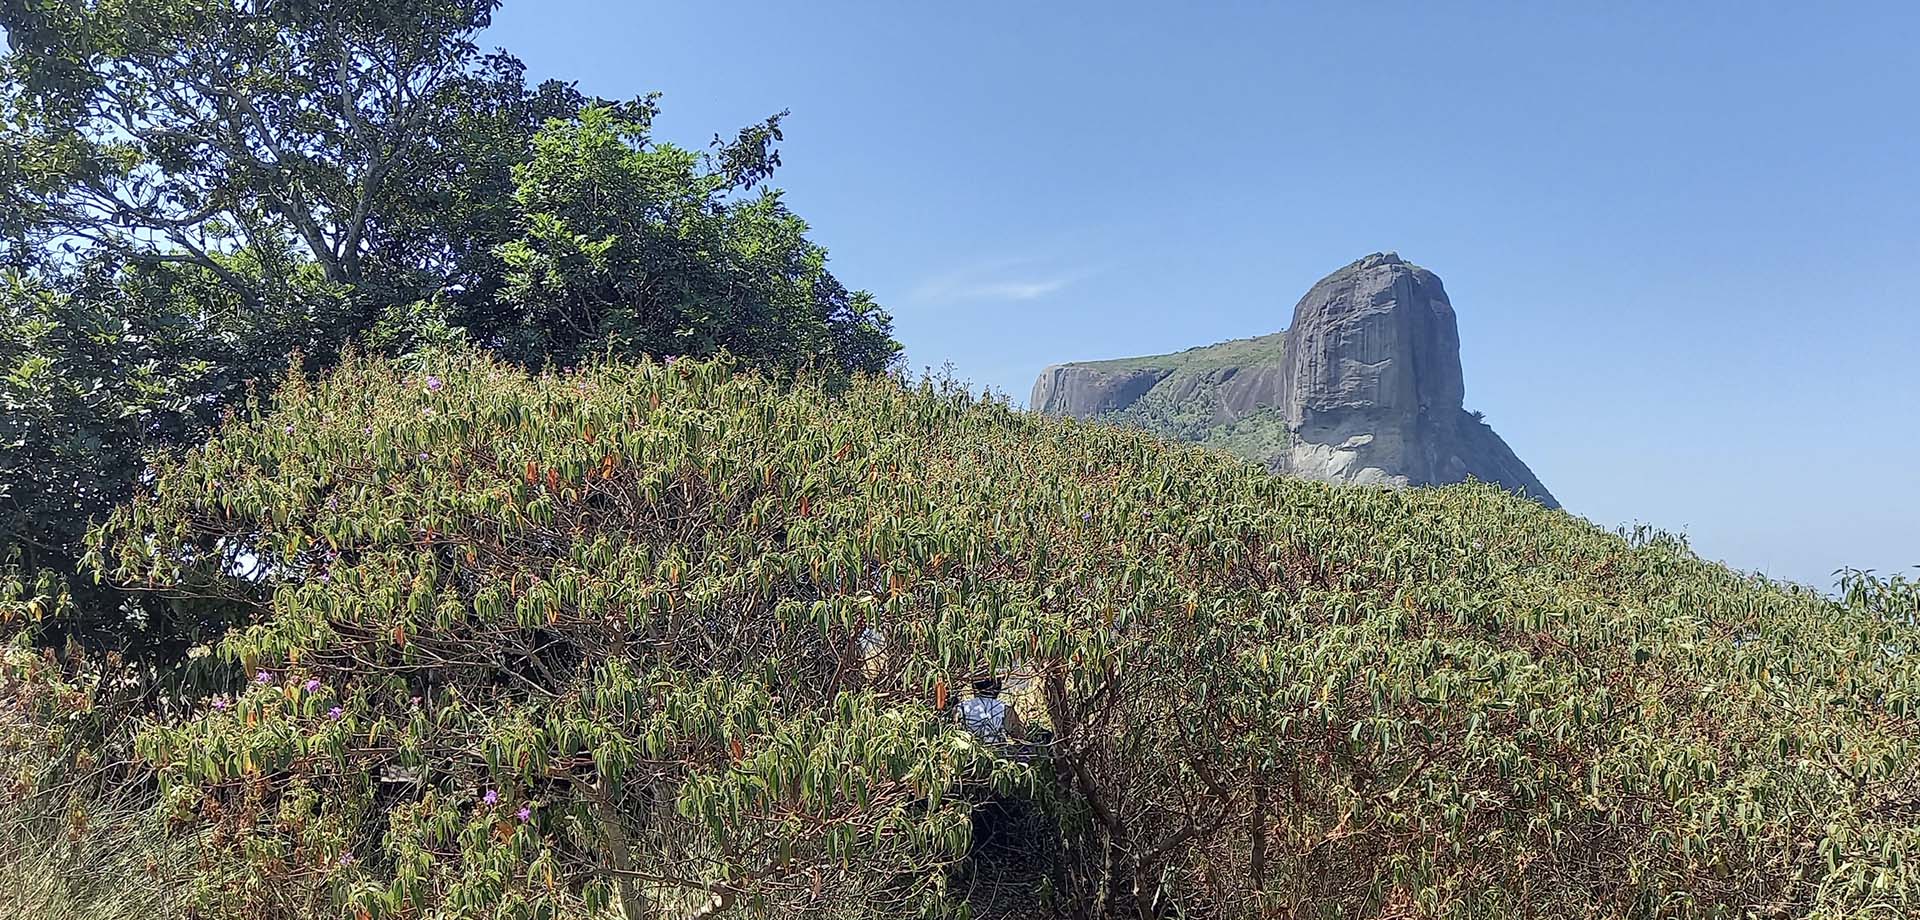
(1185, 402)
(610, 622)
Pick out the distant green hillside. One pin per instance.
(1264, 349)
(1184, 408)
(1185, 404)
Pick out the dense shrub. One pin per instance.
(539, 644)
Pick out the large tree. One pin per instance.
(193, 190)
(374, 135)
(645, 247)
(172, 130)
(101, 368)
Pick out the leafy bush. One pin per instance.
(539, 645)
(673, 638)
(1895, 597)
(642, 247)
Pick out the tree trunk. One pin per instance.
(634, 904)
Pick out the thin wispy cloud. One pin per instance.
(1008, 280)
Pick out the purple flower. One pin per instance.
(264, 677)
(434, 384)
(1086, 516)
(367, 430)
(524, 813)
(222, 704)
(346, 859)
(312, 684)
(289, 429)
(423, 456)
(336, 713)
(491, 798)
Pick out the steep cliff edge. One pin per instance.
(1364, 386)
(1083, 390)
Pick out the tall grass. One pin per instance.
(83, 858)
(82, 833)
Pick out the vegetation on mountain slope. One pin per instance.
(1193, 417)
(1260, 349)
(552, 645)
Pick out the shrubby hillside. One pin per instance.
(590, 644)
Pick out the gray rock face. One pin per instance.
(1377, 336)
(1082, 390)
(1365, 387)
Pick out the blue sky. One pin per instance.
(1681, 238)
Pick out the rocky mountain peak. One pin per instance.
(1364, 386)
(1377, 335)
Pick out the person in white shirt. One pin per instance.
(988, 717)
(999, 821)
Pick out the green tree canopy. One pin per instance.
(176, 129)
(643, 248)
(106, 366)
(403, 164)
(192, 191)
